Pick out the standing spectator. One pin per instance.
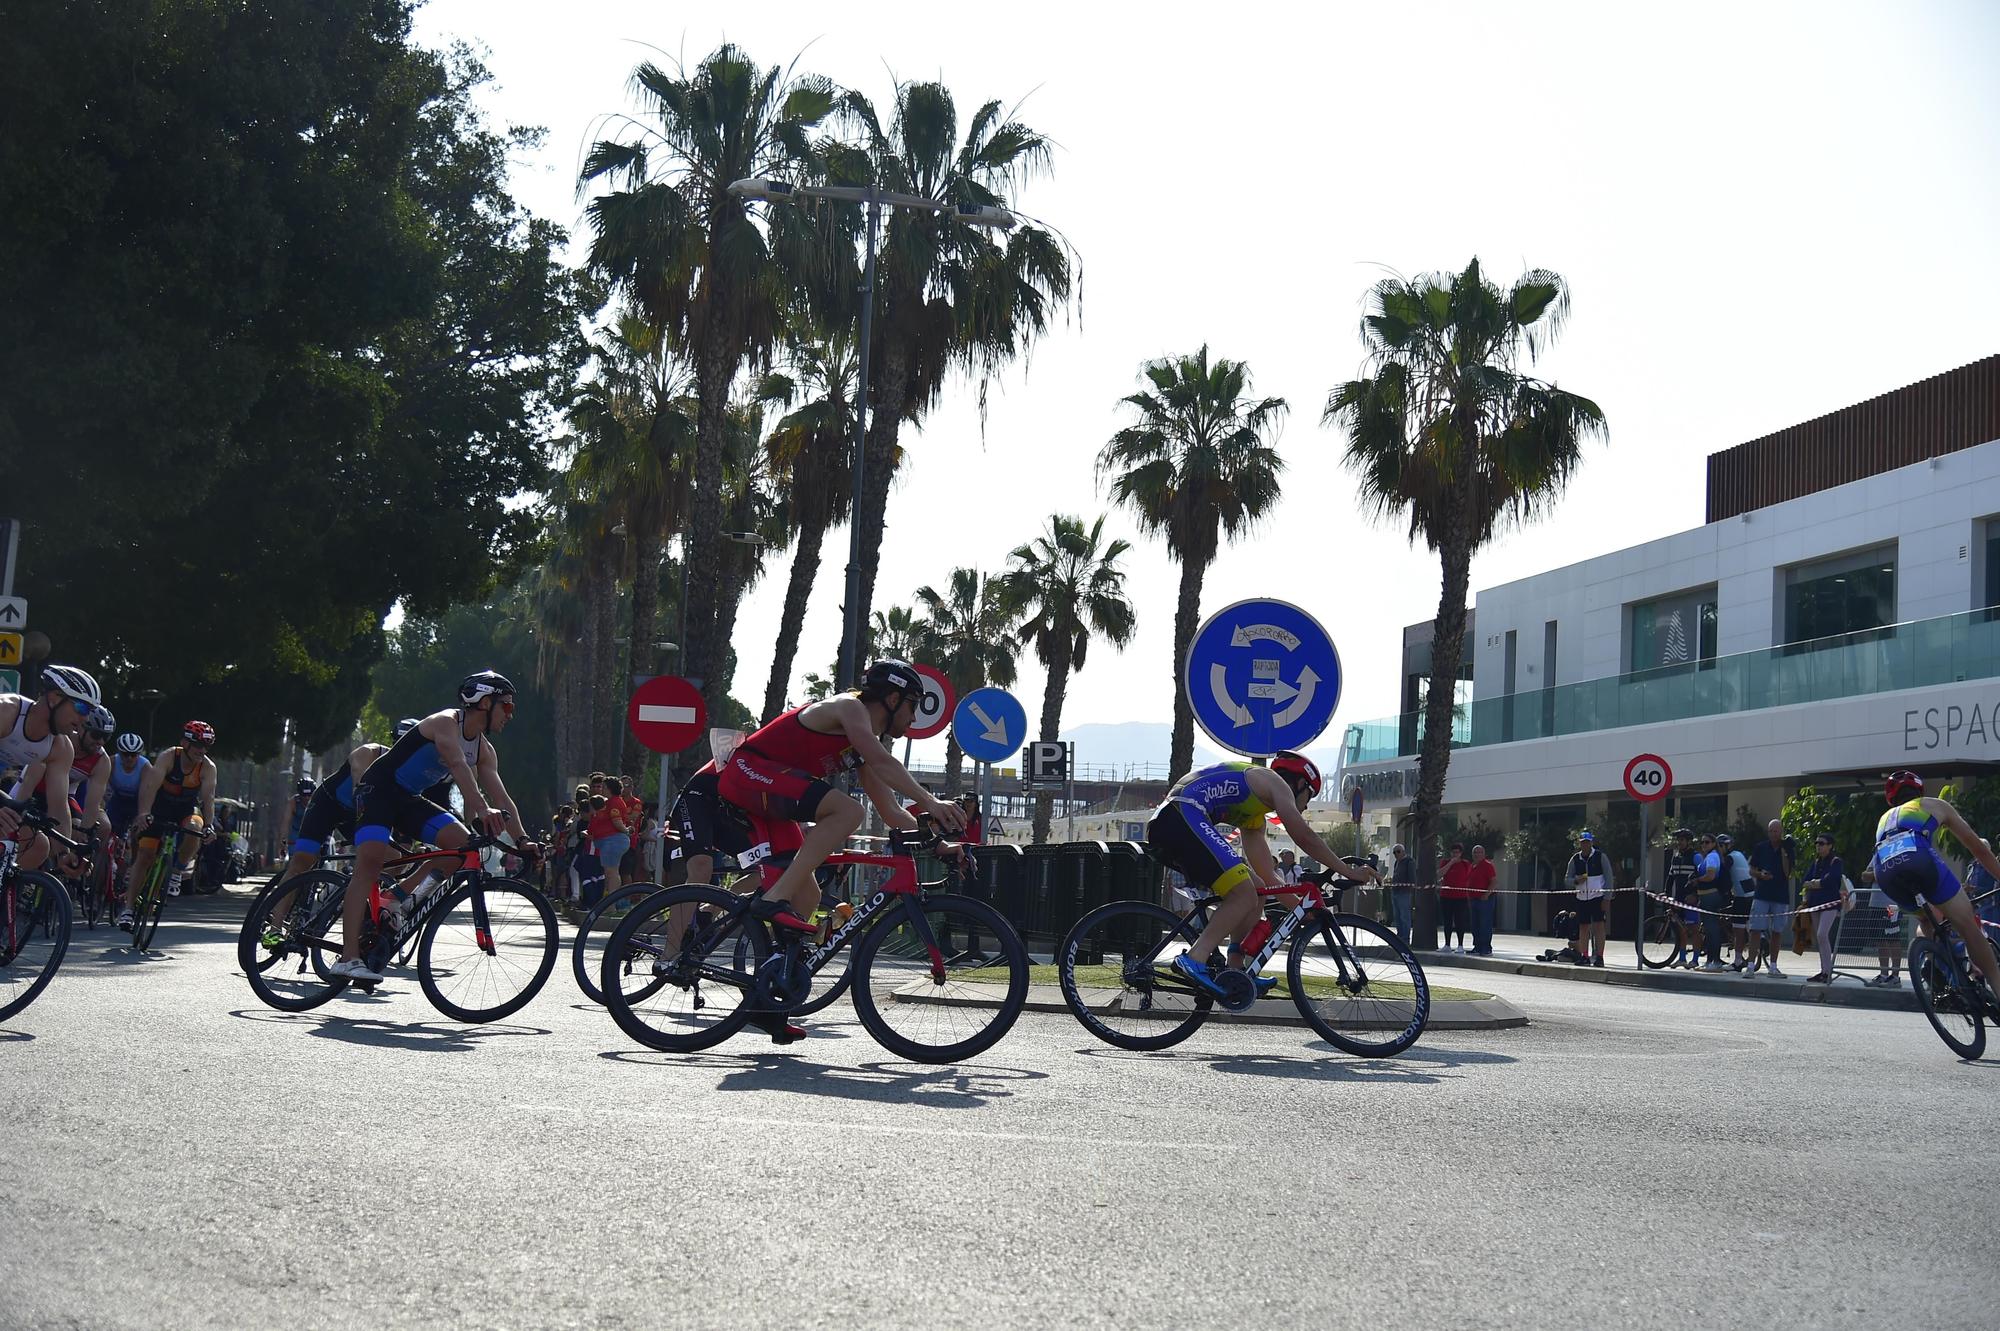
(1402, 883)
(1590, 874)
(1771, 898)
(1683, 867)
(1826, 883)
(1736, 869)
(1479, 882)
(636, 822)
(610, 832)
(557, 865)
(975, 829)
(1288, 868)
(1711, 879)
(1454, 901)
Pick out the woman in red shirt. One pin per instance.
(611, 830)
(1454, 901)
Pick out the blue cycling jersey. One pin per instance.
(414, 763)
(127, 783)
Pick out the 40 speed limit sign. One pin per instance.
(1648, 778)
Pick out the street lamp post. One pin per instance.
(972, 214)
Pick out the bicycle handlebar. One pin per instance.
(40, 821)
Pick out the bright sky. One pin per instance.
(1757, 207)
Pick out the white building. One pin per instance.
(1829, 624)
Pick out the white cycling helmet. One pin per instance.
(72, 683)
(131, 743)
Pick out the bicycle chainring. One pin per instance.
(1239, 991)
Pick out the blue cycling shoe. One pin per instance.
(1265, 984)
(1197, 973)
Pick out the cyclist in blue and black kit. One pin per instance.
(1184, 834)
(128, 769)
(390, 798)
(1910, 872)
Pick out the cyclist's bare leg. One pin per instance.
(144, 852)
(700, 872)
(32, 851)
(1971, 928)
(1290, 901)
(836, 819)
(1231, 918)
(369, 857)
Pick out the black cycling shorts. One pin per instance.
(389, 812)
(706, 823)
(324, 816)
(168, 812)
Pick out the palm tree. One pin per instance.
(948, 295)
(970, 633)
(1448, 433)
(752, 511)
(1199, 464)
(896, 632)
(681, 248)
(1066, 586)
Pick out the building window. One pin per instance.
(1990, 592)
(1673, 630)
(1849, 593)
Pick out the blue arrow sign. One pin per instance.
(1263, 676)
(990, 724)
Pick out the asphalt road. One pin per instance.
(184, 1158)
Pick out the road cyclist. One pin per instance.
(392, 799)
(40, 732)
(1909, 871)
(128, 773)
(178, 792)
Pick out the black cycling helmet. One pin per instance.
(306, 786)
(890, 676)
(485, 684)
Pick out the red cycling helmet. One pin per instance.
(1902, 781)
(198, 732)
(1298, 769)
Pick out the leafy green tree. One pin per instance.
(948, 295)
(1066, 587)
(683, 250)
(1449, 433)
(1199, 464)
(970, 631)
(278, 346)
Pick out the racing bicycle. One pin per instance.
(1948, 987)
(150, 897)
(1352, 980)
(34, 917)
(689, 966)
(484, 945)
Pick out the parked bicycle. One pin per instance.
(1351, 979)
(484, 945)
(1949, 988)
(34, 917)
(690, 965)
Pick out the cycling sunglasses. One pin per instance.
(85, 708)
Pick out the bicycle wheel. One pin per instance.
(152, 899)
(932, 1008)
(1115, 976)
(671, 977)
(1945, 995)
(489, 951)
(587, 950)
(1660, 940)
(34, 934)
(1357, 985)
(290, 939)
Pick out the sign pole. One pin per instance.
(1645, 849)
(13, 544)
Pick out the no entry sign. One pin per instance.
(666, 714)
(1648, 778)
(934, 708)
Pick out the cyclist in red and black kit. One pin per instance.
(782, 776)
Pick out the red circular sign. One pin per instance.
(1648, 778)
(934, 711)
(666, 714)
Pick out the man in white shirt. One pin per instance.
(1590, 874)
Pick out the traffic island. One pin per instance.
(1846, 990)
(1452, 1009)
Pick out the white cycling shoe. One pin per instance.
(353, 968)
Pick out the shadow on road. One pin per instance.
(447, 1037)
(14, 1037)
(1342, 1067)
(949, 1087)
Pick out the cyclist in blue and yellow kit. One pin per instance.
(1185, 835)
(1910, 872)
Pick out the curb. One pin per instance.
(1480, 1014)
(1725, 984)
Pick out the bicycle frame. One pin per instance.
(1311, 899)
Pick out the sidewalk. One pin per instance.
(1515, 954)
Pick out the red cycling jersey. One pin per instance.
(778, 777)
(788, 742)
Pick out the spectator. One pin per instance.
(1402, 882)
(555, 867)
(1454, 901)
(1771, 899)
(1711, 879)
(1826, 883)
(1288, 868)
(1899, 930)
(610, 833)
(1981, 885)
(1683, 870)
(1479, 881)
(636, 823)
(975, 832)
(1736, 869)
(1590, 874)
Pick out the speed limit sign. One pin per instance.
(934, 709)
(1648, 778)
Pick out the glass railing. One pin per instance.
(1882, 660)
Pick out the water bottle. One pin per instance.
(1254, 940)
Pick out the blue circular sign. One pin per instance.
(1262, 676)
(991, 725)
